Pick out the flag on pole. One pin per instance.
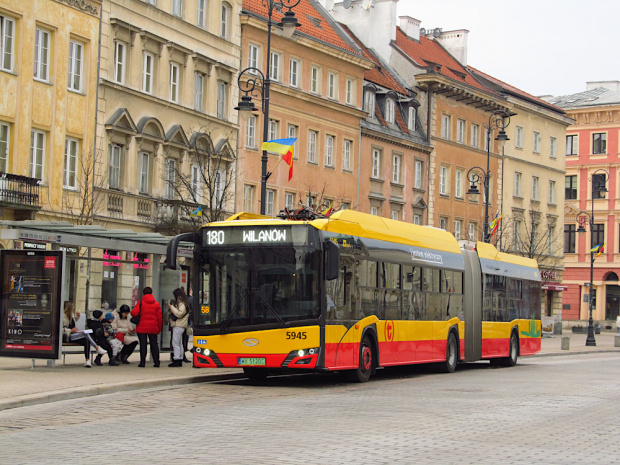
(602, 249)
(595, 249)
(495, 223)
(328, 211)
(285, 148)
(197, 212)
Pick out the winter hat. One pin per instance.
(97, 314)
(109, 316)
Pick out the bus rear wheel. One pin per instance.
(451, 355)
(366, 362)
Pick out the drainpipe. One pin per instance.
(428, 135)
(359, 167)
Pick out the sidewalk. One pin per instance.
(20, 385)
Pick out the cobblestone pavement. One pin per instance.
(551, 410)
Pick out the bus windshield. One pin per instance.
(261, 285)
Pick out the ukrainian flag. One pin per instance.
(197, 212)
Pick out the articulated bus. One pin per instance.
(354, 292)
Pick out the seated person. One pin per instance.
(101, 337)
(116, 344)
(123, 325)
(70, 333)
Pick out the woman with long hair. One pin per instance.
(179, 315)
(70, 332)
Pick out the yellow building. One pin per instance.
(48, 75)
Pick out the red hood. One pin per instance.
(148, 299)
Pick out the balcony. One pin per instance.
(20, 193)
(172, 217)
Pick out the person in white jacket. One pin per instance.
(178, 316)
(123, 325)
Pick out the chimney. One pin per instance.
(410, 26)
(614, 86)
(455, 42)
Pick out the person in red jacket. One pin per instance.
(149, 326)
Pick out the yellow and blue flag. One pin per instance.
(197, 212)
(595, 249)
(284, 147)
(601, 250)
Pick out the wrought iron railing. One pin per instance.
(19, 190)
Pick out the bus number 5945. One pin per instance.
(294, 335)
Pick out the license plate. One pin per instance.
(251, 361)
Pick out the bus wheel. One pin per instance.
(513, 355)
(255, 374)
(366, 362)
(451, 355)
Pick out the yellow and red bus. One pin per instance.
(354, 292)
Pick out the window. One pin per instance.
(274, 70)
(459, 175)
(332, 90)
(598, 182)
(250, 132)
(475, 135)
(199, 91)
(346, 154)
(599, 142)
(294, 73)
(350, 98)
(248, 198)
(369, 103)
(41, 55)
(518, 187)
(517, 235)
(536, 146)
(598, 235)
(314, 80)
(572, 145)
(535, 188)
(471, 232)
(71, 156)
(411, 119)
(397, 163)
(292, 134)
(219, 188)
(417, 219)
(389, 110)
(552, 192)
(174, 82)
(221, 99)
(374, 211)
(487, 136)
(253, 58)
(445, 126)
(550, 240)
(7, 40)
(120, 52)
(225, 20)
(143, 173)
(289, 200)
(76, 57)
(519, 137)
(553, 147)
(570, 190)
(273, 129)
(4, 147)
(37, 154)
(269, 204)
(569, 238)
(458, 226)
(376, 164)
(170, 177)
(312, 136)
(329, 150)
(196, 183)
(417, 180)
(176, 7)
(460, 131)
(443, 223)
(114, 177)
(443, 180)
(201, 13)
(147, 73)
(394, 215)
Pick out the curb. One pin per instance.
(87, 391)
(579, 352)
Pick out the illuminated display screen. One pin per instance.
(257, 236)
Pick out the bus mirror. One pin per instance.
(332, 260)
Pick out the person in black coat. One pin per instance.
(101, 337)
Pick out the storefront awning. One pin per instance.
(554, 287)
(62, 233)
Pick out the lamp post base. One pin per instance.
(590, 341)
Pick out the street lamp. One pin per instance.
(252, 81)
(598, 185)
(499, 119)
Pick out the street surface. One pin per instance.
(546, 410)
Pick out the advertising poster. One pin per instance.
(30, 307)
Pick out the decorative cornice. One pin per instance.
(83, 5)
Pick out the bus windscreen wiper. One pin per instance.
(226, 323)
(268, 306)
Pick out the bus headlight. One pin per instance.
(202, 351)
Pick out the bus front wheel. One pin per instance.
(513, 355)
(366, 362)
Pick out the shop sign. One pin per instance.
(34, 245)
(41, 237)
(144, 265)
(111, 260)
(548, 274)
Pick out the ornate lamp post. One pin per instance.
(598, 185)
(499, 119)
(252, 82)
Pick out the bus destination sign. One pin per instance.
(268, 235)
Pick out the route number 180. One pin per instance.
(215, 237)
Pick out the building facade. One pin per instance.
(592, 162)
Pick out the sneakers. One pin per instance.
(87, 364)
(101, 351)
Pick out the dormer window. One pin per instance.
(411, 119)
(389, 110)
(369, 102)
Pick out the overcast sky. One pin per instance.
(544, 47)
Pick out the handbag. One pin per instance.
(136, 319)
(120, 336)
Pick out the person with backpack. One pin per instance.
(179, 316)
